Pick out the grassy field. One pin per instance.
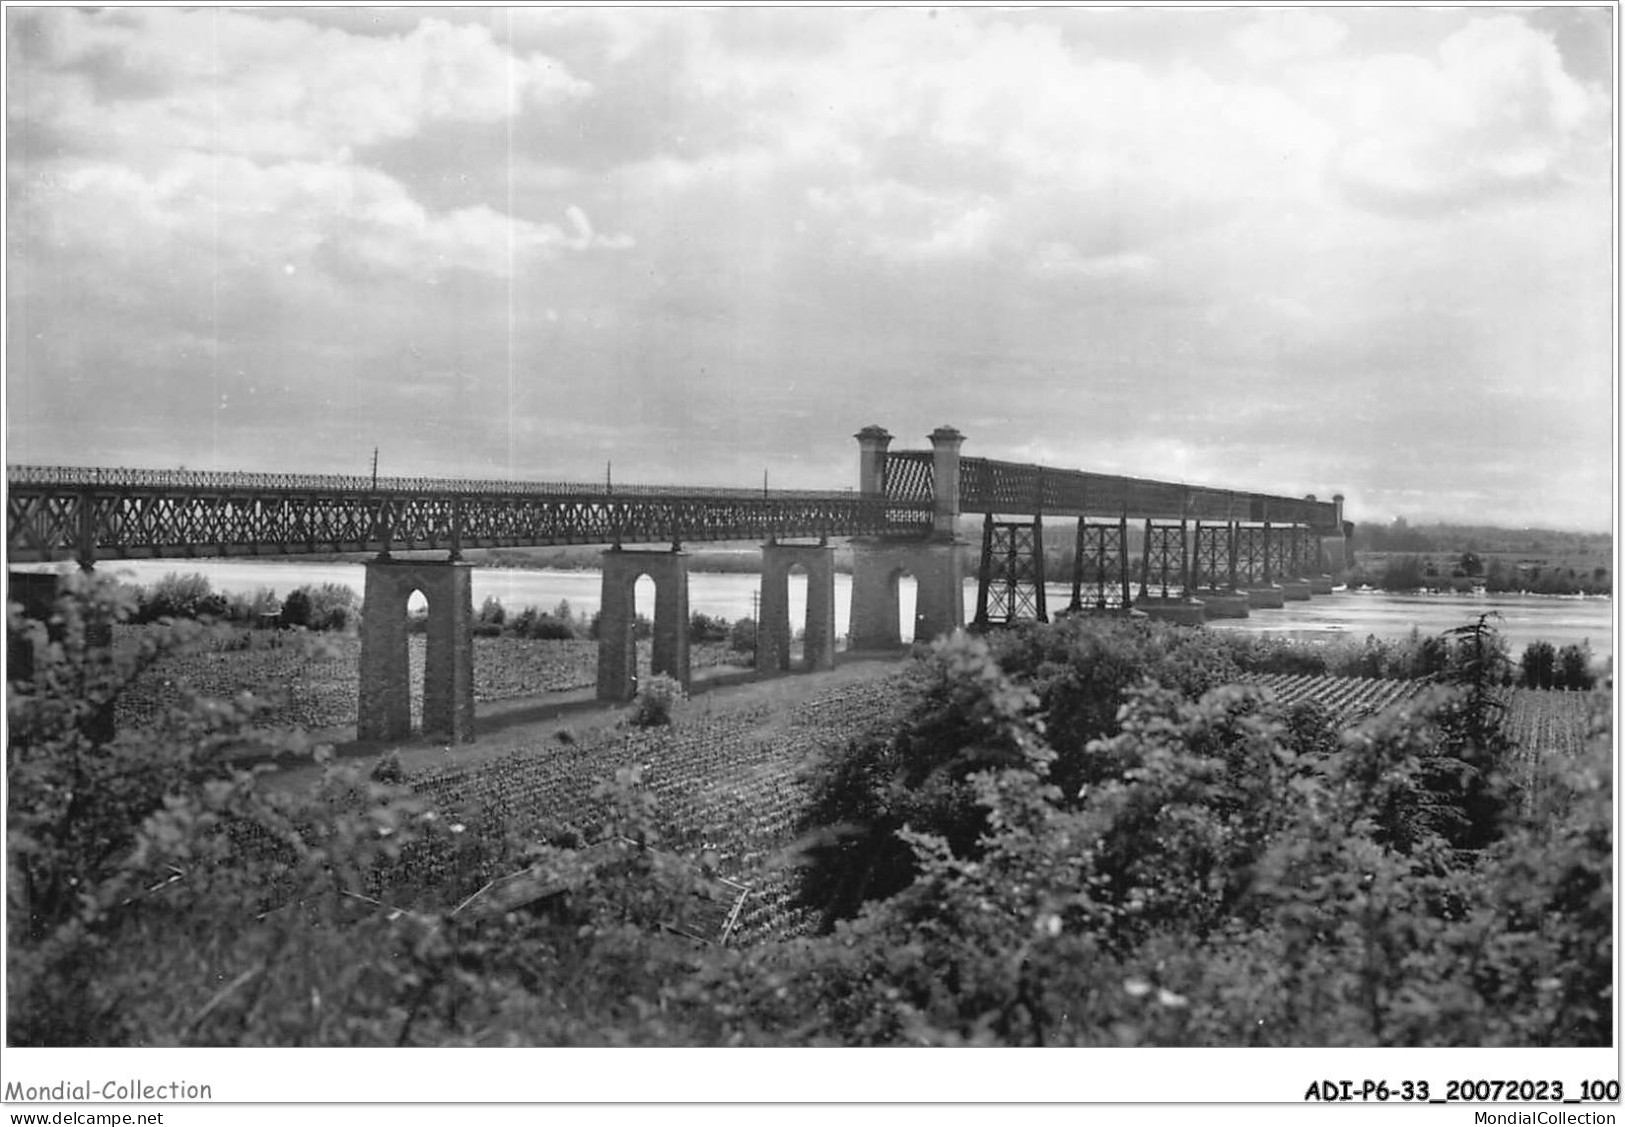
(729, 783)
(312, 680)
(727, 774)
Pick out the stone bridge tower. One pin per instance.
(935, 563)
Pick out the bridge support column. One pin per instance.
(945, 444)
(1295, 584)
(1334, 558)
(872, 444)
(1165, 577)
(1010, 580)
(1100, 563)
(617, 620)
(448, 672)
(939, 601)
(818, 630)
(1334, 550)
(1214, 571)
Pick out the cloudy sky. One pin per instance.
(1303, 251)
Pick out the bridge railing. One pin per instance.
(248, 482)
(987, 485)
(57, 512)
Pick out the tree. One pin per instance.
(296, 608)
(1538, 664)
(1574, 668)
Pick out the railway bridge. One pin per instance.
(1201, 551)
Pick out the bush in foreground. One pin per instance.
(656, 698)
(1222, 879)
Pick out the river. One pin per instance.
(1523, 618)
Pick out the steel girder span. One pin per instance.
(54, 514)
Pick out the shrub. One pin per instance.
(251, 609)
(332, 606)
(1403, 573)
(388, 769)
(704, 628)
(296, 608)
(642, 627)
(491, 612)
(180, 596)
(1239, 877)
(1264, 654)
(742, 638)
(656, 698)
(1084, 669)
(533, 624)
(968, 715)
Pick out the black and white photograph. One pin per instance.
(563, 536)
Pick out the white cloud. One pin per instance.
(225, 134)
(1494, 112)
(1061, 259)
(232, 211)
(682, 217)
(230, 81)
(1288, 36)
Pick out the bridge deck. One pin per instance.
(75, 513)
(990, 486)
(89, 513)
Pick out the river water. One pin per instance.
(1522, 618)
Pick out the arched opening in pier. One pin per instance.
(800, 620)
(645, 591)
(417, 654)
(902, 593)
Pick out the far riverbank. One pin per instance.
(1521, 619)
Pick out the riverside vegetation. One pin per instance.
(308, 643)
(1086, 833)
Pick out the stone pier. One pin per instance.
(1224, 603)
(448, 674)
(1266, 596)
(1179, 610)
(774, 628)
(617, 619)
(878, 565)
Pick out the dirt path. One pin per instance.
(504, 728)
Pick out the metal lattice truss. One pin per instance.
(1010, 582)
(1303, 553)
(137, 514)
(1293, 563)
(1253, 556)
(1163, 568)
(988, 486)
(1100, 570)
(910, 476)
(1212, 564)
(1279, 552)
